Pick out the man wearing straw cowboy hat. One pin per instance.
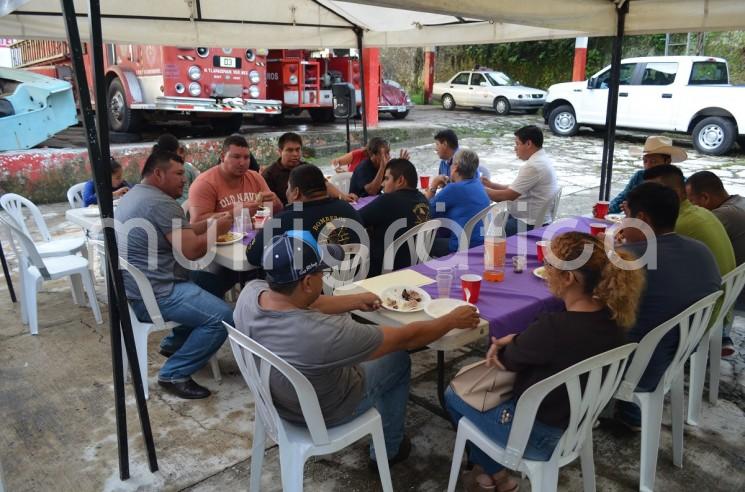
(658, 150)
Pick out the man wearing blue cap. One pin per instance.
(352, 366)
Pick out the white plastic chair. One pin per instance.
(419, 239)
(13, 204)
(552, 206)
(732, 284)
(341, 181)
(692, 324)
(34, 270)
(493, 216)
(142, 329)
(297, 443)
(75, 195)
(604, 373)
(355, 265)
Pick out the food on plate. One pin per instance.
(409, 300)
(390, 303)
(228, 236)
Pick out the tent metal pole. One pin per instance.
(363, 107)
(606, 169)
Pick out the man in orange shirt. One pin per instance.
(230, 185)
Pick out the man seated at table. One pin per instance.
(290, 156)
(310, 207)
(446, 146)
(658, 151)
(534, 186)
(400, 204)
(686, 272)
(352, 366)
(199, 313)
(230, 185)
(367, 178)
(461, 200)
(706, 190)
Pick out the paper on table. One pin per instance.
(407, 277)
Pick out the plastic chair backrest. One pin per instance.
(732, 284)
(13, 204)
(146, 292)
(75, 195)
(419, 239)
(257, 379)
(692, 322)
(603, 374)
(494, 215)
(29, 255)
(341, 181)
(552, 206)
(356, 264)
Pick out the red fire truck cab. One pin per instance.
(302, 80)
(148, 82)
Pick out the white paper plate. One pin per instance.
(540, 272)
(395, 293)
(440, 307)
(237, 236)
(615, 218)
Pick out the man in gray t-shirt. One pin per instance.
(352, 367)
(148, 222)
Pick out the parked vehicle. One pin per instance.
(148, 82)
(33, 108)
(302, 80)
(486, 88)
(687, 94)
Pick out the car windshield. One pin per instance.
(498, 78)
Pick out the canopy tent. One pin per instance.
(316, 24)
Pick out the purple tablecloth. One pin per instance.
(511, 305)
(361, 202)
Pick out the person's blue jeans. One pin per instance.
(541, 444)
(201, 332)
(511, 227)
(387, 389)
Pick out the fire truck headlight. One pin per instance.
(250, 55)
(180, 88)
(254, 76)
(195, 73)
(293, 79)
(203, 52)
(253, 92)
(195, 89)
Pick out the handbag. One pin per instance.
(483, 387)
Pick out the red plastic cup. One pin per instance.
(601, 209)
(540, 247)
(597, 227)
(471, 282)
(424, 182)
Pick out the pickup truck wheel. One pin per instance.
(448, 103)
(502, 106)
(714, 135)
(121, 117)
(562, 121)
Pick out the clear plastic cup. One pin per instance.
(444, 282)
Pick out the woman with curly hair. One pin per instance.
(601, 302)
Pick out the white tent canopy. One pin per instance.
(386, 23)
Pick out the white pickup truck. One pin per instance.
(689, 94)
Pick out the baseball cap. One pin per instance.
(295, 254)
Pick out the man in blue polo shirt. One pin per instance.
(446, 146)
(462, 199)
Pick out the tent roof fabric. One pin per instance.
(386, 23)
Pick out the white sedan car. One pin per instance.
(488, 89)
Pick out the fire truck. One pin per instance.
(157, 83)
(302, 80)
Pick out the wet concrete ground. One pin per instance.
(56, 395)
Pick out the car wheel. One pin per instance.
(562, 121)
(399, 116)
(502, 106)
(448, 103)
(714, 135)
(121, 117)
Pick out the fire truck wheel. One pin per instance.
(229, 125)
(267, 119)
(121, 117)
(321, 115)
